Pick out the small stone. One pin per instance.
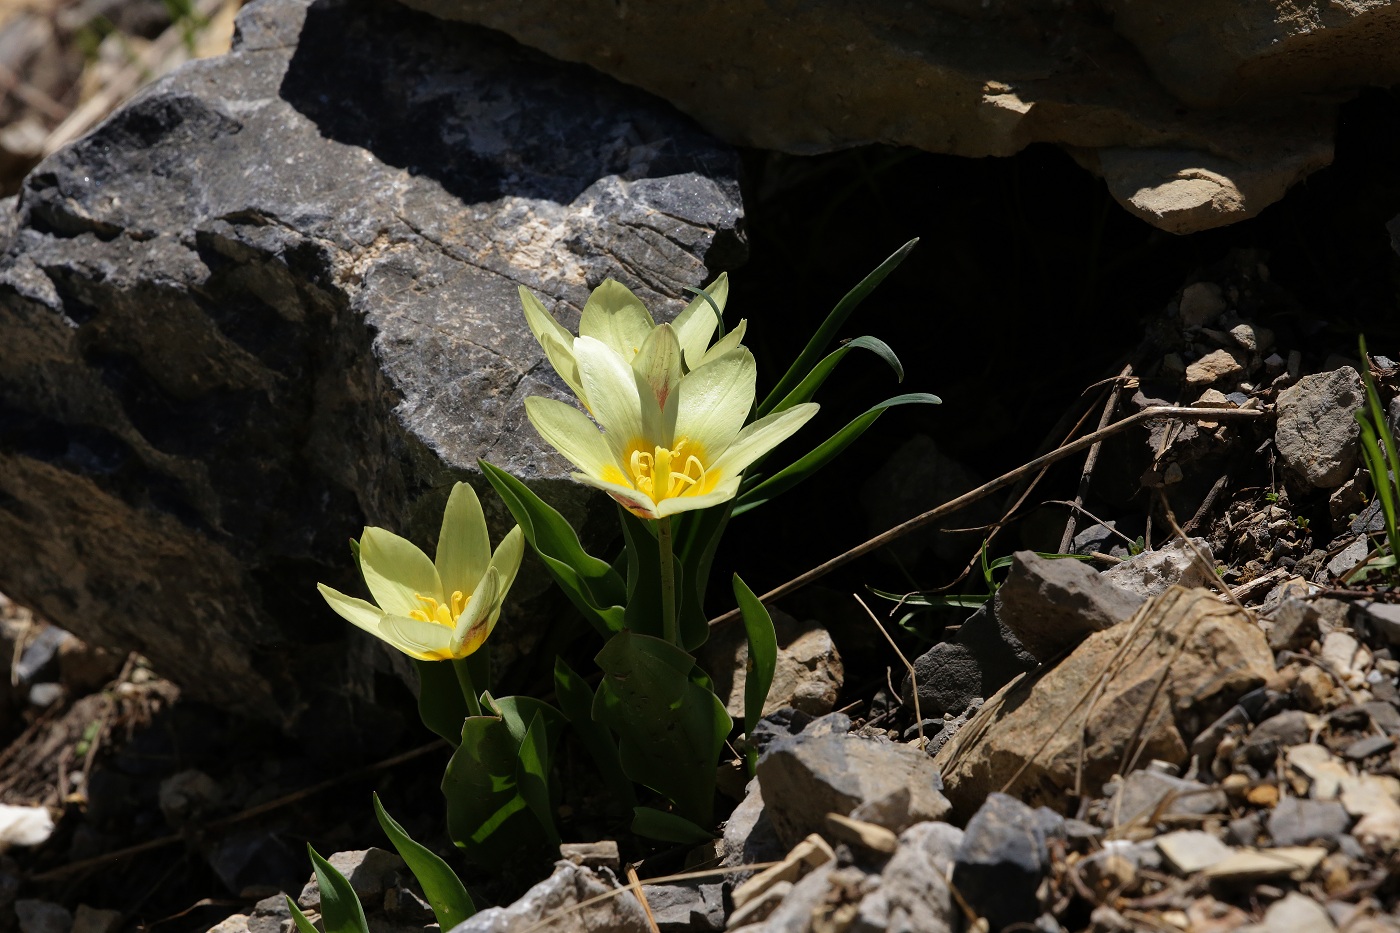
(92, 920)
(1297, 914)
(1348, 557)
(810, 853)
(1245, 866)
(238, 923)
(1214, 368)
(1001, 862)
(1252, 337)
(1363, 794)
(1379, 830)
(1191, 850)
(1201, 303)
(1263, 795)
(759, 908)
(601, 854)
(1371, 745)
(1298, 822)
(1053, 605)
(1246, 830)
(37, 916)
(367, 870)
(1142, 792)
(860, 833)
(187, 796)
(1345, 654)
(1275, 734)
(1384, 619)
(1295, 625)
(1321, 767)
(1175, 563)
(684, 907)
(1315, 688)
(1315, 434)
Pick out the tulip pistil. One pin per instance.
(441, 613)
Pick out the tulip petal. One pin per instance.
(552, 336)
(426, 641)
(723, 345)
(726, 489)
(473, 623)
(506, 560)
(638, 503)
(658, 362)
(612, 393)
(617, 317)
(715, 400)
(696, 324)
(464, 547)
(762, 436)
(569, 431)
(396, 571)
(355, 611)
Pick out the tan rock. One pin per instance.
(808, 675)
(1216, 367)
(1138, 691)
(990, 79)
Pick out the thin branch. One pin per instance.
(1006, 479)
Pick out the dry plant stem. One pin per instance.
(1092, 459)
(913, 678)
(642, 898)
(1006, 479)
(11, 83)
(106, 861)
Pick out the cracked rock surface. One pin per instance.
(273, 299)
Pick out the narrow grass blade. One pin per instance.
(444, 890)
(807, 388)
(829, 328)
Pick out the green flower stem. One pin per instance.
(668, 580)
(469, 689)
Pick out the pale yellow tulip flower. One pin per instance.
(434, 610)
(670, 440)
(618, 319)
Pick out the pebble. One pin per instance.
(1324, 770)
(1215, 367)
(1248, 865)
(1191, 850)
(1296, 821)
(1297, 913)
(1371, 745)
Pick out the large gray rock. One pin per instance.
(1195, 117)
(273, 299)
(1317, 434)
(558, 904)
(805, 777)
(981, 659)
(1053, 605)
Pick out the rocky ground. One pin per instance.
(1175, 733)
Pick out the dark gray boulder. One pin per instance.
(273, 299)
(983, 657)
(1053, 605)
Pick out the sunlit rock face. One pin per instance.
(274, 299)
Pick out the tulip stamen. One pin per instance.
(439, 613)
(654, 473)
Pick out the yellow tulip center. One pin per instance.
(666, 473)
(441, 613)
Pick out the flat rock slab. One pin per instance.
(273, 299)
(1195, 118)
(1125, 696)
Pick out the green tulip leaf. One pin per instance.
(667, 827)
(763, 654)
(824, 453)
(532, 776)
(670, 729)
(589, 583)
(811, 353)
(340, 906)
(303, 923)
(807, 388)
(576, 702)
(442, 705)
(444, 890)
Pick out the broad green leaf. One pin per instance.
(576, 701)
(670, 729)
(807, 388)
(486, 815)
(591, 584)
(824, 453)
(442, 704)
(340, 906)
(811, 353)
(532, 776)
(667, 827)
(763, 654)
(444, 890)
(303, 923)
